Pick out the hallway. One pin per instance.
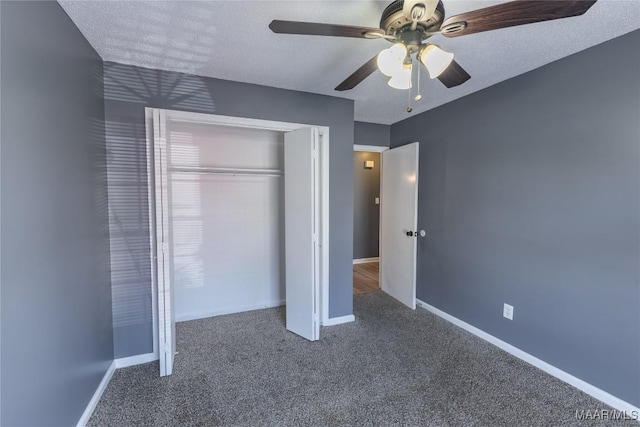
(366, 277)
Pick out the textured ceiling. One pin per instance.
(231, 40)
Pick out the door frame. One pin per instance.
(239, 122)
(376, 149)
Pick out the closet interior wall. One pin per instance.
(226, 210)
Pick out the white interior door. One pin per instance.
(398, 218)
(166, 312)
(301, 232)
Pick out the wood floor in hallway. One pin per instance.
(365, 278)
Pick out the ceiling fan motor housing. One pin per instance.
(412, 40)
(395, 23)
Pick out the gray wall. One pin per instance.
(127, 91)
(529, 193)
(371, 134)
(366, 214)
(57, 338)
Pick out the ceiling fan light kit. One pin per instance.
(395, 62)
(435, 60)
(408, 23)
(402, 79)
(390, 61)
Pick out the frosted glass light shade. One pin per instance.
(402, 79)
(435, 59)
(390, 60)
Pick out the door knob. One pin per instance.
(411, 233)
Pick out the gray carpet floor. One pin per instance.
(392, 366)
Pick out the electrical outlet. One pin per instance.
(507, 311)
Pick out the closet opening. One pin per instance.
(239, 221)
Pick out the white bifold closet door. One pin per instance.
(161, 212)
(302, 188)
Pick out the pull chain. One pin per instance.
(418, 96)
(410, 108)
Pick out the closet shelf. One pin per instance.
(227, 171)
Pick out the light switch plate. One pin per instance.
(507, 311)
(377, 200)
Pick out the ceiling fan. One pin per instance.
(408, 23)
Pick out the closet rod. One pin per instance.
(228, 171)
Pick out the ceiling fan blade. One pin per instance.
(429, 8)
(317, 29)
(359, 75)
(454, 75)
(513, 13)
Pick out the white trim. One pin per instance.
(240, 122)
(339, 320)
(370, 148)
(148, 119)
(591, 390)
(315, 230)
(366, 260)
(415, 226)
(125, 362)
(91, 406)
(229, 310)
(324, 226)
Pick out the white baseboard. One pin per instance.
(84, 419)
(591, 390)
(229, 310)
(116, 364)
(366, 260)
(339, 320)
(139, 359)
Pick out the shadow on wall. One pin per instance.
(97, 141)
(128, 90)
(154, 88)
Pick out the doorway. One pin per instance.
(366, 218)
(224, 194)
(395, 265)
